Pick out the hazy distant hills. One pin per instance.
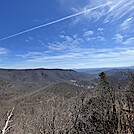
(93, 70)
(105, 69)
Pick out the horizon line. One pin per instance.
(63, 68)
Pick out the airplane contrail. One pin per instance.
(54, 22)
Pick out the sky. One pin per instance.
(66, 33)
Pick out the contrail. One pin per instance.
(53, 22)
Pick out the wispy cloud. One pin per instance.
(42, 42)
(110, 13)
(84, 57)
(55, 21)
(120, 39)
(129, 41)
(29, 39)
(3, 51)
(97, 38)
(100, 29)
(127, 24)
(88, 33)
(67, 42)
(75, 21)
(94, 15)
(118, 9)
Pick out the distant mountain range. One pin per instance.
(20, 82)
(98, 70)
(43, 76)
(40, 76)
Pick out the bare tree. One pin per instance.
(7, 127)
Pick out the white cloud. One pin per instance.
(31, 54)
(76, 21)
(111, 13)
(67, 42)
(100, 29)
(75, 36)
(3, 51)
(127, 24)
(118, 9)
(97, 38)
(129, 41)
(78, 58)
(88, 33)
(118, 38)
(94, 15)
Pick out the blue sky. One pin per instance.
(79, 33)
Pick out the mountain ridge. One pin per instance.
(40, 75)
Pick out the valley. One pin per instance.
(52, 100)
